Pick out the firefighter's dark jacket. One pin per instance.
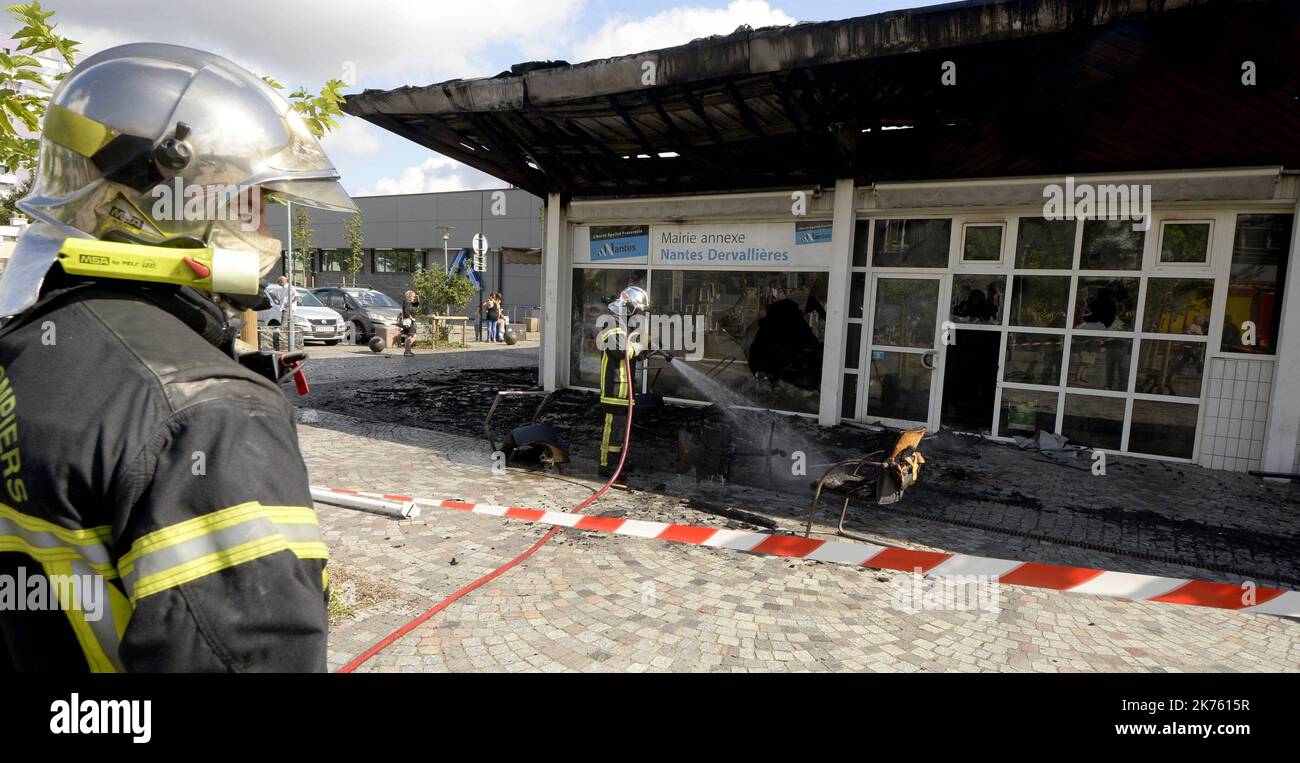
(616, 359)
(135, 451)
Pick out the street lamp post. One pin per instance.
(446, 230)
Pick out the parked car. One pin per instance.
(362, 309)
(313, 321)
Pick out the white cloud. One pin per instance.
(354, 137)
(305, 42)
(622, 35)
(437, 173)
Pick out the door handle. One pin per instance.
(928, 359)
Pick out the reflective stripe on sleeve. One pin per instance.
(208, 544)
(49, 543)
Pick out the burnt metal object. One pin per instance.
(710, 449)
(887, 478)
(533, 443)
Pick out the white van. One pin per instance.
(312, 320)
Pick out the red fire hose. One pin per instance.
(388, 640)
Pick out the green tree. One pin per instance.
(440, 290)
(23, 85)
(8, 208)
(302, 246)
(318, 111)
(356, 234)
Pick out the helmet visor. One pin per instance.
(321, 194)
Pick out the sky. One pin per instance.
(383, 44)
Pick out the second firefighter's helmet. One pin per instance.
(631, 301)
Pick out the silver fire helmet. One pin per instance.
(132, 127)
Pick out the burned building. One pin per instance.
(998, 216)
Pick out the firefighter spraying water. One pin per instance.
(622, 346)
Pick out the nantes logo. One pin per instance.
(619, 242)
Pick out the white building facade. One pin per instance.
(960, 305)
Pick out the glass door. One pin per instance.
(903, 350)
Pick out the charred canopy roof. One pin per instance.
(1042, 87)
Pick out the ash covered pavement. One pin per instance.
(589, 601)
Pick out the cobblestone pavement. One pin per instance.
(974, 497)
(594, 602)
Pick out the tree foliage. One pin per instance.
(440, 290)
(24, 87)
(318, 111)
(302, 246)
(356, 238)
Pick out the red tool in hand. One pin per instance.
(292, 362)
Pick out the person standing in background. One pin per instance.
(502, 321)
(491, 314)
(410, 309)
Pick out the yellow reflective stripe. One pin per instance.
(54, 555)
(97, 658)
(201, 546)
(209, 523)
(75, 131)
(87, 537)
(325, 579)
(310, 550)
(120, 606)
(207, 564)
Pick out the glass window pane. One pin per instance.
(1185, 242)
(853, 345)
(1097, 422)
(899, 388)
(396, 260)
(849, 400)
(1045, 244)
(1039, 301)
(1099, 362)
(1025, 411)
(1106, 304)
(857, 294)
(593, 290)
(1178, 306)
(767, 325)
(1259, 256)
(861, 235)
(1163, 429)
(1034, 358)
(983, 243)
(977, 299)
(1111, 245)
(906, 310)
(911, 243)
(1170, 368)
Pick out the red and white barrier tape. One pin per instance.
(1256, 599)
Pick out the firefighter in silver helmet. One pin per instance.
(621, 346)
(143, 454)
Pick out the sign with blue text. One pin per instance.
(749, 246)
